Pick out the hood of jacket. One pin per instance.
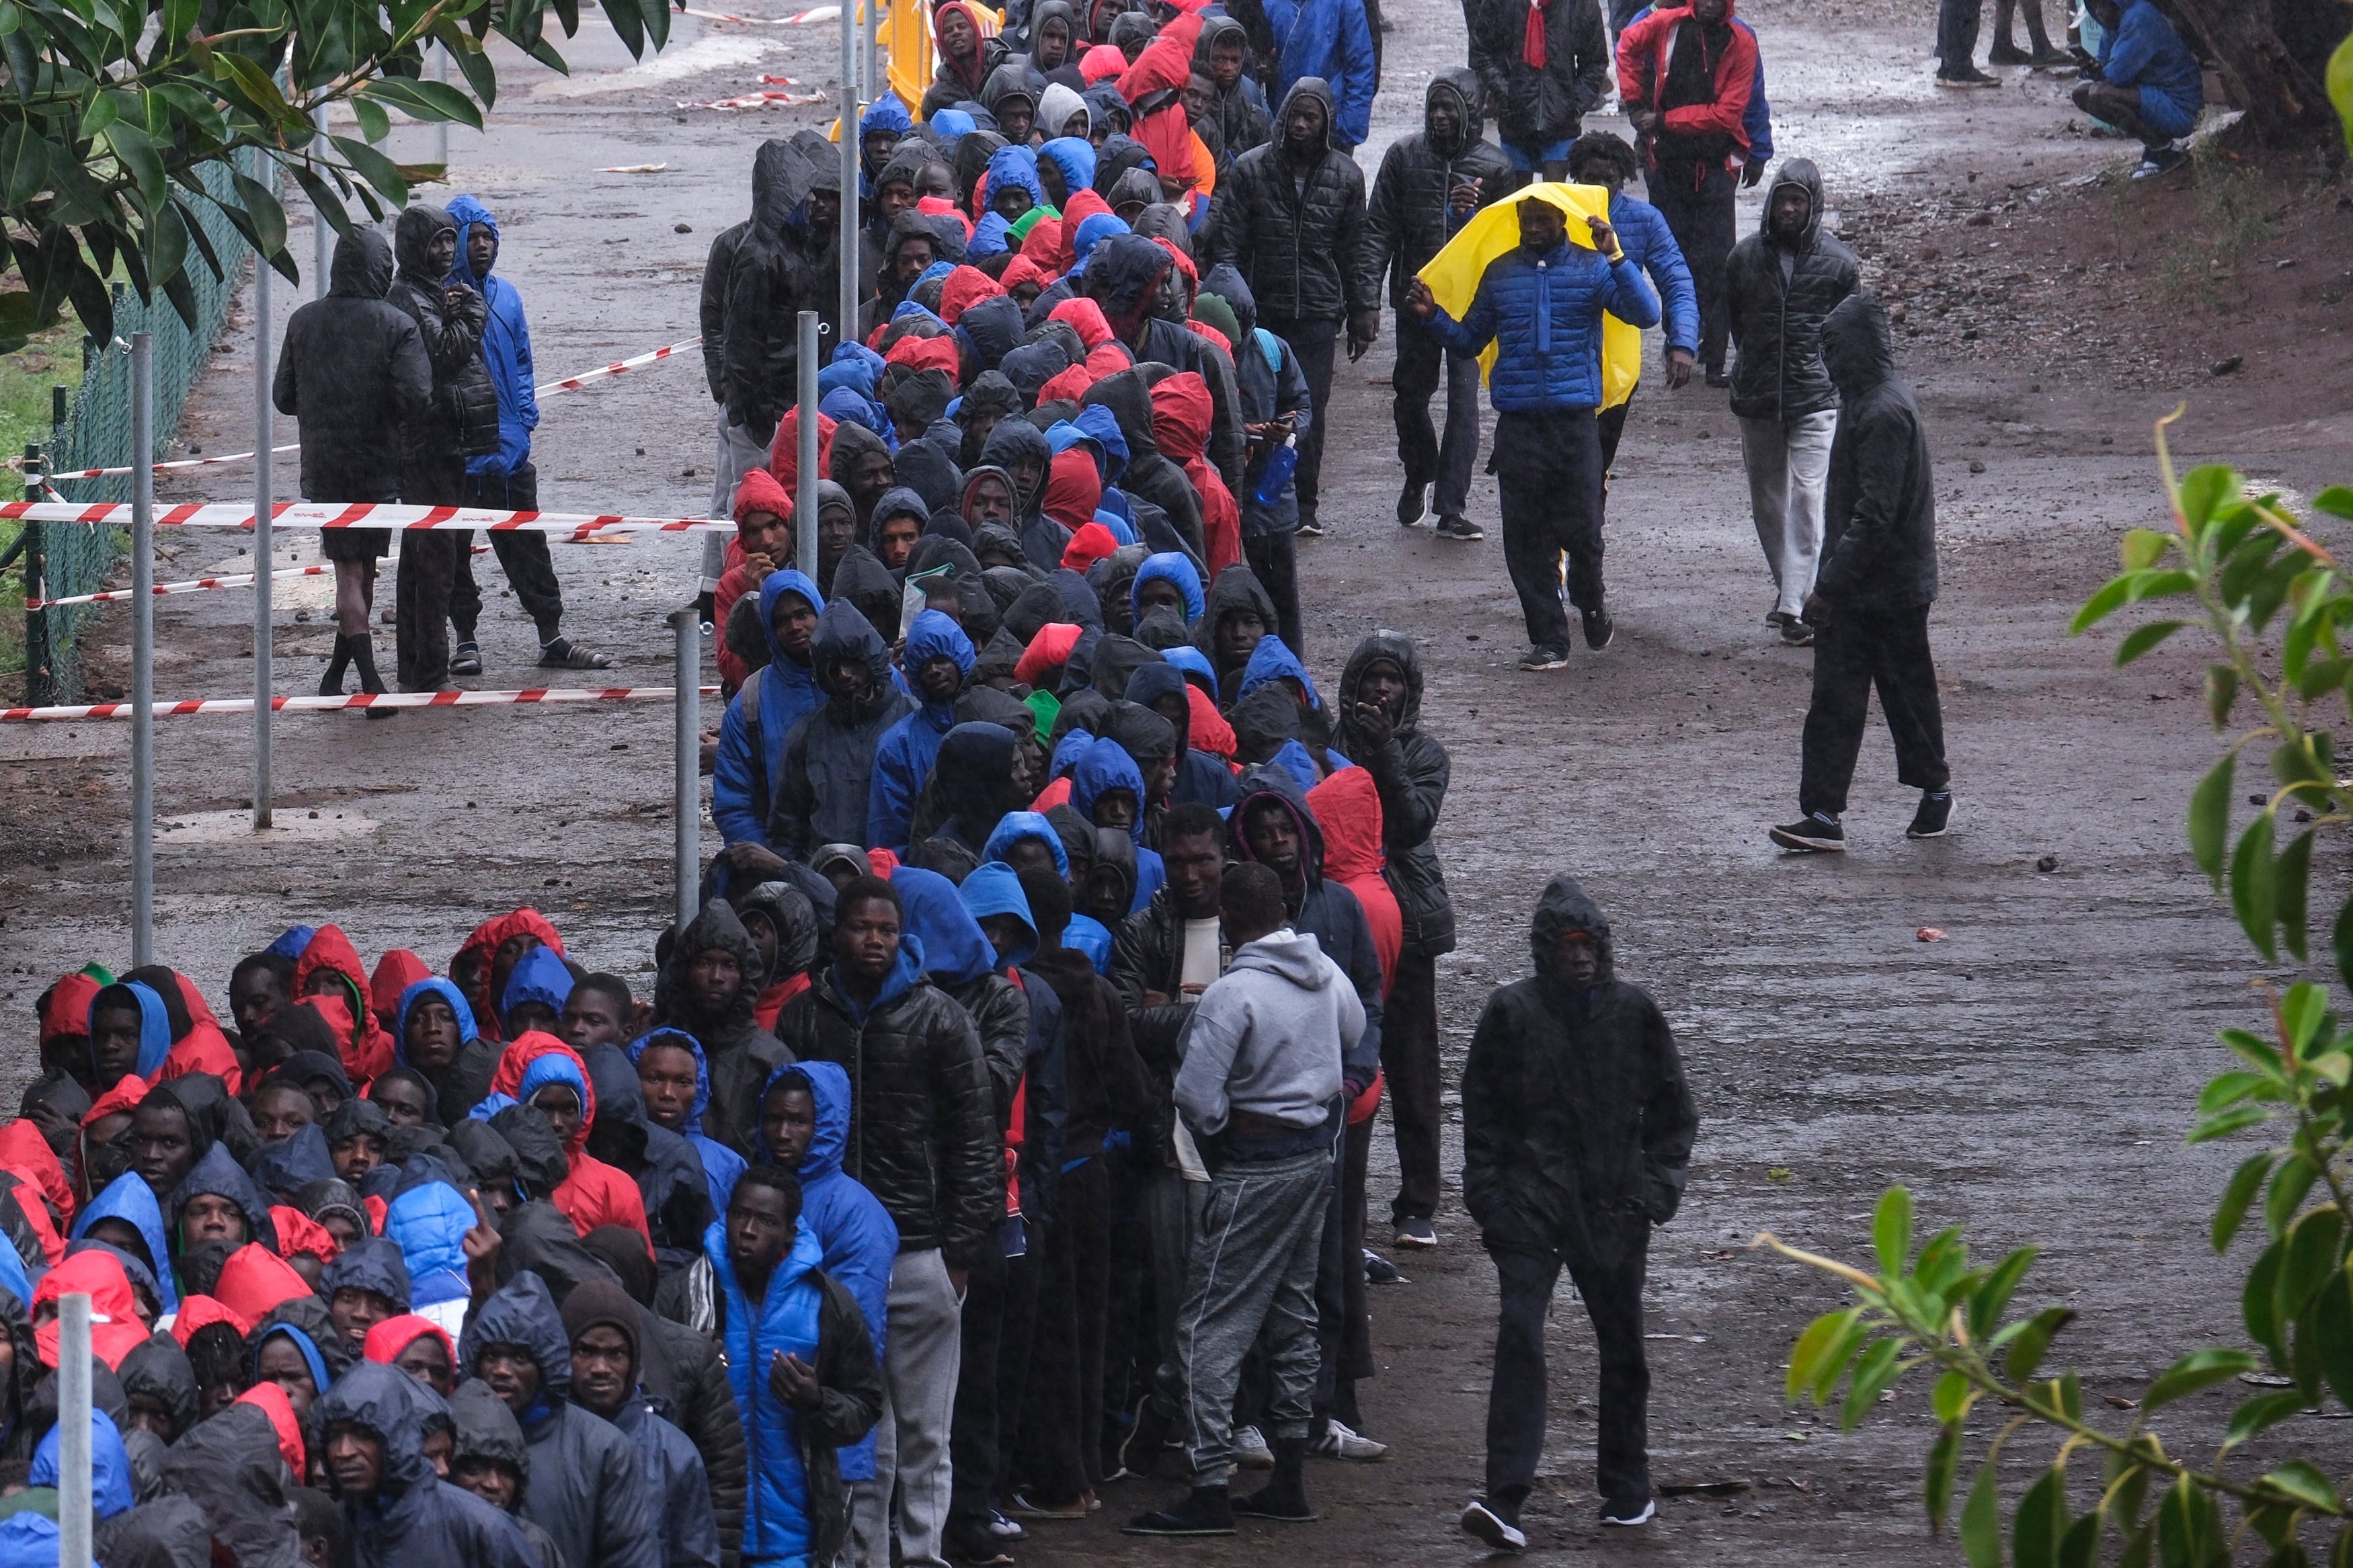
(428, 1225)
(794, 916)
(1291, 955)
(775, 587)
(523, 1314)
(715, 927)
(955, 950)
(933, 635)
(539, 976)
(1800, 173)
(1103, 767)
(851, 441)
(1262, 784)
(1120, 154)
(1348, 807)
(412, 237)
(1016, 825)
(545, 1061)
(995, 889)
(218, 1175)
(1381, 646)
(1857, 348)
(1123, 273)
(487, 1429)
(1565, 907)
(863, 582)
(1018, 164)
(1116, 660)
(159, 1371)
(129, 1198)
(363, 267)
(843, 634)
(1226, 281)
(828, 1087)
(680, 1039)
(1237, 588)
(1030, 367)
(1273, 661)
(466, 213)
(780, 182)
(1012, 441)
(1127, 396)
(1181, 411)
(255, 1281)
(155, 1023)
(1314, 87)
(441, 990)
(110, 1465)
(1459, 89)
(1073, 155)
(372, 1263)
(382, 1400)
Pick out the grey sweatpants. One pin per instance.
(925, 1351)
(1253, 1268)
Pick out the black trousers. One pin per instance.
(1422, 362)
(1701, 219)
(1273, 559)
(1315, 342)
(427, 574)
(973, 1439)
(1547, 468)
(1062, 1401)
(1852, 653)
(1410, 1061)
(1957, 34)
(1526, 1274)
(523, 557)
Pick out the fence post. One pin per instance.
(39, 689)
(322, 232)
(441, 127)
(142, 651)
(76, 1518)
(852, 274)
(265, 432)
(687, 693)
(805, 492)
(875, 86)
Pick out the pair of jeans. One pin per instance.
(1409, 1062)
(1788, 461)
(1315, 342)
(1853, 651)
(1252, 1281)
(1957, 34)
(1526, 1270)
(1696, 201)
(1422, 363)
(1274, 561)
(1547, 468)
(920, 1368)
(523, 557)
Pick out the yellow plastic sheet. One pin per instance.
(1493, 231)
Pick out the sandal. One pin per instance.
(467, 659)
(565, 654)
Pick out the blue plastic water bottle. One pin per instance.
(1276, 479)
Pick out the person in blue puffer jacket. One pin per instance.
(801, 1363)
(1106, 772)
(2148, 82)
(1542, 306)
(760, 716)
(936, 660)
(1598, 158)
(504, 480)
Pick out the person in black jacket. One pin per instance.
(923, 1141)
(371, 1430)
(459, 421)
(1380, 711)
(1237, 108)
(1576, 1128)
(1291, 216)
(1870, 603)
(828, 760)
(785, 264)
(352, 369)
(1779, 283)
(718, 282)
(1540, 88)
(1428, 184)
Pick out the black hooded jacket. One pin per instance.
(1879, 506)
(414, 1517)
(1303, 255)
(1238, 113)
(780, 268)
(740, 1053)
(665, 1167)
(1776, 313)
(1411, 214)
(1537, 106)
(1237, 588)
(230, 1466)
(1577, 1122)
(353, 370)
(1151, 475)
(1411, 770)
(461, 418)
(829, 760)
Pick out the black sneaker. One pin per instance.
(1629, 1512)
(1488, 1526)
(2158, 161)
(1715, 376)
(1599, 629)
(1414, 1231)
(1206, 1510)
(1544, 659)
(1777, 616)
(1310, 526)
(1811, 833)
(1379, 1270)
(1967, 77)
(1460, 530)
(1413, 504)
(1795, 633)
(2003, 54)
(1934, 817)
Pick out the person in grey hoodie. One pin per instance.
(1260, 1094)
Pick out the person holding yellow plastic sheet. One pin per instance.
(1542, 306)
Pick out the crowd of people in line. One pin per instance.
(999, 1128)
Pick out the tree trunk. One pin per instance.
(2285, 101)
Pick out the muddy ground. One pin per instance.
(2029, 1075)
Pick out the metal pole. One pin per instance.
(322, 233)
(875, 86)
(441, 128)
(142, 651)
(851, 252)
(265, 432)
(37, 691)
(75, 1519)
(805, 492)
(688, 623)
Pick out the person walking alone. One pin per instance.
(1870, 603)
(1576, 1130)
(1779, 285)
(1542, 305)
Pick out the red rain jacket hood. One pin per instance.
(594, 1193)
(115, 1329)
(1347, 807)
(256, 1280)
(965, 287)
(271, 1401)
(396, 972)
(1181, 412)
(1073, 492)
(1049, 649)
(483, 947)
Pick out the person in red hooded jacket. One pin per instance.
(1154, 84)
(763, 542)
(483, 965)
(396, 972)
(330, 966)
(1182, 413)
(541, 1071)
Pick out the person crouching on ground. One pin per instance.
(1260, 1090)
(1576, 1128)
(1542, 305)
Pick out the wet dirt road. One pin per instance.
(2029, 1076)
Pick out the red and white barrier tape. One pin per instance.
(569, 383)
(193, 585)
(558, 694)
(307, 515)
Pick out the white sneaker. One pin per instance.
(1339, 1442)
(1251, 1449)
(1622, 1513)
(1483, 1524)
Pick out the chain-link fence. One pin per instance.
(68, 558)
